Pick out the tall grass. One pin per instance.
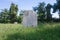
(46, 31)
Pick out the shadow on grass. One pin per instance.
(15, 36)
(48, 34)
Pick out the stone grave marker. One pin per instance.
(29, 18)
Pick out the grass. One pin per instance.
(46, 31)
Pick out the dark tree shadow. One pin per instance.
(48, 34)
(16, 36)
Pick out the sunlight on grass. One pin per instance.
(44, 31)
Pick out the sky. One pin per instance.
(25, 4)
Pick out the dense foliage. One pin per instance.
(43, 12)
(10, 16)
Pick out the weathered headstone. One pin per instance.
(29, 18)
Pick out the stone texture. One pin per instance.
(29, 18)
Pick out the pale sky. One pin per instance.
(25, 4)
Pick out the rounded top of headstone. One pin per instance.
(29, 11)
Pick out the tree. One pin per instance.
(48, 14)
(4, 16)
(40, 11)
(13, 12)
(35, 8)
(19, 18)
(56, 7)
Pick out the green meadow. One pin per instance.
(44, 31)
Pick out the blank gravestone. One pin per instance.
(29, 18)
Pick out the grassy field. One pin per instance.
(46, 31)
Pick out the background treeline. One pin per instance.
(10, 16)
(43, 12)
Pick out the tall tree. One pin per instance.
(56, 7)
(40, 11)
(48, 10)
(13, 12)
